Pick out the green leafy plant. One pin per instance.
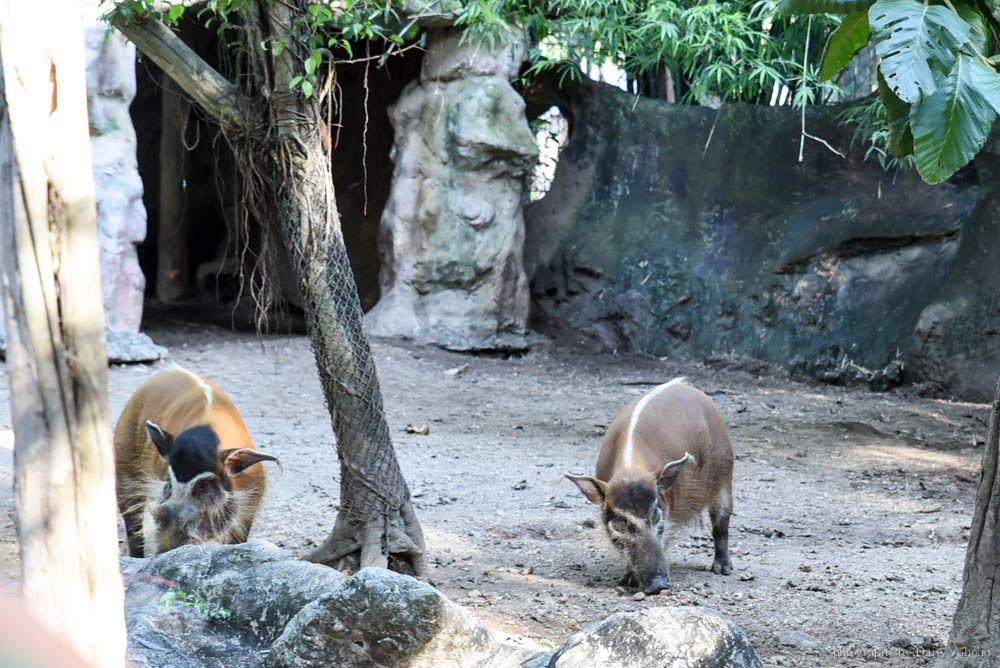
(184, 600)
(939, 92)
(869, 119)
(693, 51)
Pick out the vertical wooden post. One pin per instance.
(64, 464)
(172, 267)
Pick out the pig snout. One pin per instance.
(649, 564)
(656, 585)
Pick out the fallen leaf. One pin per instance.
(457, 370)
(423, 430)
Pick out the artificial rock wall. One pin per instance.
(452, 230)
(121, 217)
(672, 229)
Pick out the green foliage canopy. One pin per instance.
(939, 90)
(725, 50)
(729, 50)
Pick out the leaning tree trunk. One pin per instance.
(975, 630)
(63, 462)
(376, 515)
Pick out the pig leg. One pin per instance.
(719, 514)
(629, 580)
(133, 532)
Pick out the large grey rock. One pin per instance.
(261, 587)
(381, 618)
(432, 13)
(452, 233)
(679, 637)
(132, 347)
(123, 347)
(121, 216)
(448, 58)
(283, 612)
(684, 230)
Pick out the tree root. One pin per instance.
(371, 542)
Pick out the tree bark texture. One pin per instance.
(975, 630)
(64, 465)
(376, 515)
(172, 272)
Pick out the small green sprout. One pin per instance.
(197, 603)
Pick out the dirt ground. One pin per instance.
(852, 508)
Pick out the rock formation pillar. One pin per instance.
(452, 234)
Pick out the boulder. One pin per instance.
(132, 347)
(236, 600)
(678, 636)
(123, 347)
(253, 605)
(381, 618)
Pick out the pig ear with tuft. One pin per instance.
(236, 460)
(161, 438)
(595, 490)
(667, 476)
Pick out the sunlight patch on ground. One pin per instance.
(889, 502)
(910, 456)
(6, 438)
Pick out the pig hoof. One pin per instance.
(722, 567)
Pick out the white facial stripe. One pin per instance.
(180, 490)
(635, 521)
(634, 420)
(205, 387)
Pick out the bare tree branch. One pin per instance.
(216, 94)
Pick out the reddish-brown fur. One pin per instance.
(680, 419)
(680, 458)
(176, 401)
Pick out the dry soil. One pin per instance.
(852, 508)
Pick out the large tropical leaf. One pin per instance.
(898, 113)
(987, 82)
(951, 124)
(994, 7)
(917, 44)
(825, 6)
(978, 35)
(844, 42)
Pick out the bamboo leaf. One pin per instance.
(917, 44)
(851, 36)
(950, 125)
(824, 6)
